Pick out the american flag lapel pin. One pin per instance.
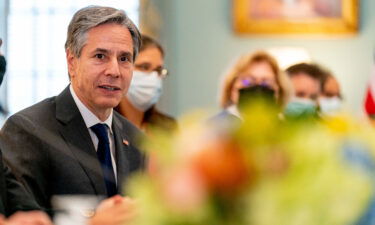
(125, 142)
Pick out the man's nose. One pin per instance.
(113, 68)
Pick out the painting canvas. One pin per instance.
(296, 16)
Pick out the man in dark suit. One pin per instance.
(14, 201)
(13, 196)
(74, 143)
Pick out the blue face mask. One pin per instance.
(300, 107)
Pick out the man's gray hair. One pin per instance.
(92, 16)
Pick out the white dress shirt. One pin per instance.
(90, 120)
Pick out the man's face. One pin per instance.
(305, 86)
(102, 74)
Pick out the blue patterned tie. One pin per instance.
(104, 156)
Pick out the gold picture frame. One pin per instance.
(256, 17)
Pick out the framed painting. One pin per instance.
(296, 16)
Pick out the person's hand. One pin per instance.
(2, 220)
(27, 218)
(116, 210)
(110, 202)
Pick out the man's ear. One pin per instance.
(71, 60)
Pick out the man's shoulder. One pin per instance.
(40, 110)
(125, 125)
(132, 134)
(45, 109)
(43, 106)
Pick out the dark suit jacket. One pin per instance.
(13, 196)
(50, 149)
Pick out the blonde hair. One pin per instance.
(282, 81)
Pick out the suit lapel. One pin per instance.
(76, 135)
(122, 151)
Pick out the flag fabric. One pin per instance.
(370, 96)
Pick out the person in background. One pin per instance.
(256, 72)
(330, 100)
(306, 82)
(74, 143)
(138, 105)
(3, 64)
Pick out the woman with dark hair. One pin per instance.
(138, 105)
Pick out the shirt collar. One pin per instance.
(89, 117)
(233, 109)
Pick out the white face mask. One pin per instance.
(145, 90)
(330, 106)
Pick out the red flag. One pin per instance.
(370, 96)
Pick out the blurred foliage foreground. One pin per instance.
(265, 171)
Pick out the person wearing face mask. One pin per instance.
(138, 105)
(253, 75)
(330, 100)
(3, 64)
(306, 81)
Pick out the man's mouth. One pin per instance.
(109, 88)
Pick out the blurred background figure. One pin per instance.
(257, 72)
(306, 80)
(330, 100)
(145, 89)
(3, 67)
(3, 63)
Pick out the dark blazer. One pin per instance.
(50, 149)
(13, 196)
